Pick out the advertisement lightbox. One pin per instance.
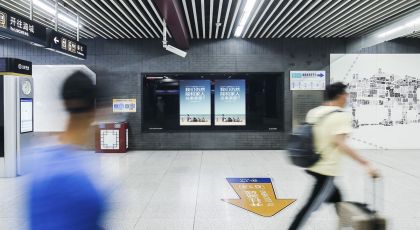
(194, 101)
(230, 103)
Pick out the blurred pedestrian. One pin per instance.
(62, 194)
(330, 134)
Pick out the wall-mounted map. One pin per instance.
(384, 98)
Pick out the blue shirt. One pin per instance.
(61, 193)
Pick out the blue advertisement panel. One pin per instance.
(194, 102)
(230, 105)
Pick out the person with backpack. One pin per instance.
(328, 126)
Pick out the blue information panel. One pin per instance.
(195, 103)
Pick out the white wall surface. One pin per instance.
(49, 112)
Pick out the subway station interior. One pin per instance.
(210, 114)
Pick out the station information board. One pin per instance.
(22, 28)
(63, 44)
(26, 115)
(307, 80)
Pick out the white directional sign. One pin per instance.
(307, 80)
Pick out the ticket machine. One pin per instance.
(16, 114)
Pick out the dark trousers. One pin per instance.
(324, 191)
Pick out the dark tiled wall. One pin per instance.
(119, 64)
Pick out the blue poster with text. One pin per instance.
(230, 104)
(194, 102)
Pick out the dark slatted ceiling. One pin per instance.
(217, 19)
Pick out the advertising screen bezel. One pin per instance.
(217, 76)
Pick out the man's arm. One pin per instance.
(340, 142)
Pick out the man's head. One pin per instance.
(78, 93)
(336, 93)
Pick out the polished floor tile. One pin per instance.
(182, 190)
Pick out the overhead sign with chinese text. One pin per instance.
(257, 195)
(307, 80)
(124, 105)
(18, 27)
(63, 44)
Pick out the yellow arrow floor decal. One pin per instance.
(257, 195)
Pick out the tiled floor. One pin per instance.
(183, 190)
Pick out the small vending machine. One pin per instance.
(16, 114)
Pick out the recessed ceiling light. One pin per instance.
(51, 10)
(244, 17)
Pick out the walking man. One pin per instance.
(330, 134)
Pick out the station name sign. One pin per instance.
(63, 44)
(21, 28)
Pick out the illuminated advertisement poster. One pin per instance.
(194, 102)
(230, 106)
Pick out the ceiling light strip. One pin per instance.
(261, 2)
(302, 23)
(246, 12)
(320, 20)
(127, 23)
(203, 18)
(300, 17)
(187, 16)
(289, 11)
(133, 14)
(131, 35)
(219, 12)
(159, 31)
(382, 20)
(275, 19)
(211, 18)
(260, 18)
(374, 17)
(85, 9)
(145, 19)
(226, 18)
(307, 2)
(195, 18)
(338, 21)
(319, 12)
(238, 5)
(268, 18)
(338, 15)
(82, 10)
(156, 14)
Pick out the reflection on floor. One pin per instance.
(183, 190)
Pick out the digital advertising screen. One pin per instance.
(230, 103)
(212, 102)
(26, 115)
(195, 102)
